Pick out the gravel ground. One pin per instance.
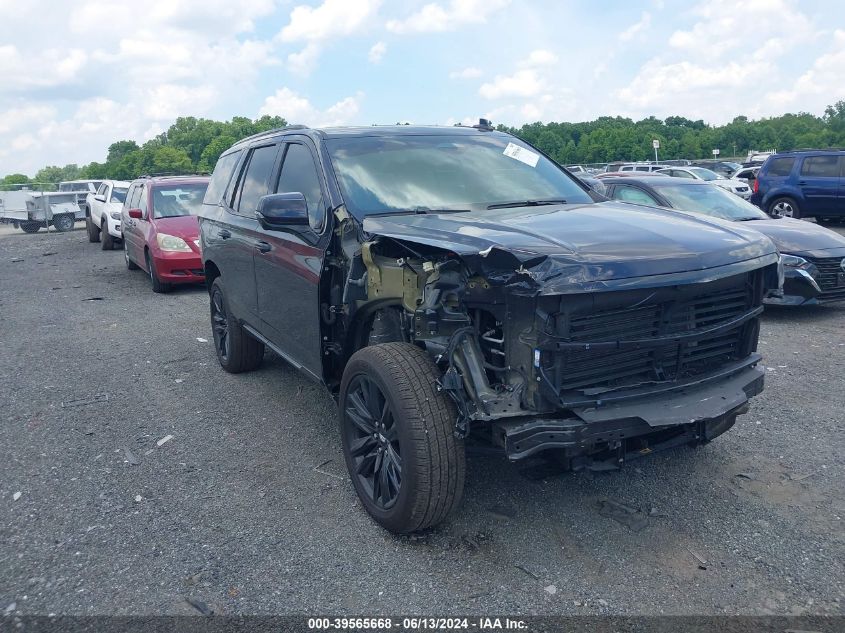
(248, 508)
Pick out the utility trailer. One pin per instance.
(32, 210)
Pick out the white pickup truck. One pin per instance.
(102, 213)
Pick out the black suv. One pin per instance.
(448, 281)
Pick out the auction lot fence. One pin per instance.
(530, 624)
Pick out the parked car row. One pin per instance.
(443, 282)
(154, 220)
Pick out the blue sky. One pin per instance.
(113, 70)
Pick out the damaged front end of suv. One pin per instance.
(602, 357)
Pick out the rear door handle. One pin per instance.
(264, 247)
(224, 234)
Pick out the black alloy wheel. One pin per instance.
(373, 441)
(220, 326)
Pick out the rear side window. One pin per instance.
(632, 194)
(255, 179)
(221, 177)
(821, 167)
(780, 166)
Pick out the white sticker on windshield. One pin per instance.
(521, 154)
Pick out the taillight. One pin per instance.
(756, 185)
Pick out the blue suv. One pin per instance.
(802, 183)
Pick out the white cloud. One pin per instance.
(821, 84)
(298, 109)
(304, 62)
(467, 73)
(723, 28)
(333, 18)
(635, 29)
(437, 17)
(539, 58)
(316, 25)
(377, 52)
(523, 83)
(113, 73)
(528, 81)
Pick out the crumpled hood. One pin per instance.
(799, 237)
(599, 242)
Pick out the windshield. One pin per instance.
(710, 200)
(118, 195)
(705, 174)
(170, 201)
(457, 172)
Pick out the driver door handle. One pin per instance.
(224, 234)
(264, 247)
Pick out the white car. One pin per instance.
(737, 187)
(102, 212)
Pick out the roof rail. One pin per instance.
(296, 126)
(170, 174)
(812, 149)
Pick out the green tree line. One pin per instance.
(193, 145)
(616, 138)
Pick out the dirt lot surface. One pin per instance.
(247, 507)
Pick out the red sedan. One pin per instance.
(160, 229)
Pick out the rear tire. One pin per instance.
(158, 286)
(31, 227)
(236, 350)
(107, 239)
(398, 435)
(784, 207)
(63, 223)
(93, 231)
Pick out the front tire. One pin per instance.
(93, 231)
(398, 433)
(108, 240)
(159, 287)
(784, 207)
(236, 350)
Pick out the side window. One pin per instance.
(254, 183)
(682, 174)
(130, 197)
(299, 173)
(780, 166)
(642, 169)
(821, 167)
(102, 190)
(627, 193)
(142, 200)
(221, 177)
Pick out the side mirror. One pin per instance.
(100, 198)
(281, 210)
(135, 214)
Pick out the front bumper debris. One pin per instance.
(632, 428)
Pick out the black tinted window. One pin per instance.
(300, 174)
(780, 166)
(221, 177)
(254, 183)
(821, 166)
